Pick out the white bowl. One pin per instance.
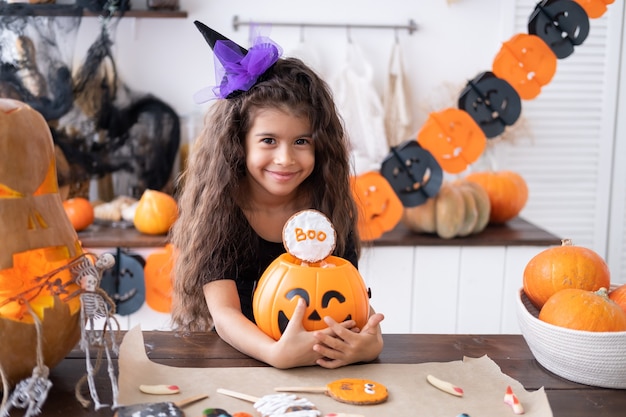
(591, 358)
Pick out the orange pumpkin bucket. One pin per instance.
(331, 286)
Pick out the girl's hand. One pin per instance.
(345, 346)
(295, 346)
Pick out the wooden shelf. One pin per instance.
(22, 9)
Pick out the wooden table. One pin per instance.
(510, 352)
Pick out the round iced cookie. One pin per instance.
(357, 391)
(309, 236)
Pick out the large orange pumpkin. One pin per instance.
(156, 212)
(619, 296)
(508, 193)
(578, 309)
(565, 266)
(337, 291)
(37, 239)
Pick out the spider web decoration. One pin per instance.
(99, 123)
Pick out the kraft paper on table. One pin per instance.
(410, 394)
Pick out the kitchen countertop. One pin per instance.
(517, 232)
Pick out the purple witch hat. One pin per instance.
(237, 69)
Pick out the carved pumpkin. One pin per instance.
(578, 309)
(561, 267)
(380, 207)
(508, 193)
(38, 238)
(330, 286)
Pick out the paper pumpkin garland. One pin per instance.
(492, 100)
(330, 286)
(413, 173)
(380, 208)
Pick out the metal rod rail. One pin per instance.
(410, 27)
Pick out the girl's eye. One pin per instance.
(302, 141)
(269, 141)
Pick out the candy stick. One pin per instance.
(169, 409)
(348, 390)
(239, 395)
(511, 400)
(444, 386)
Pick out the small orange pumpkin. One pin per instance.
(80, 212)
(578, 309)
(508, 193)
(337, 291)
(565, 266)
(156, 212)
(619, 296)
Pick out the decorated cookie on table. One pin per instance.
(330, 285)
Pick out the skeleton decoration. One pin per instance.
(97, 309)
(96, 306)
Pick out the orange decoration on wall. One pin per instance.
(380, 207)
(453, 138)
(594, 8)
(527, 63)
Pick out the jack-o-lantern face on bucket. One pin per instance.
(336, 290)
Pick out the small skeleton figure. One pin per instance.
(96, 305)
(30, 393)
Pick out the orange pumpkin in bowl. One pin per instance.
(565, 266)
(618, 295)
(578, 309)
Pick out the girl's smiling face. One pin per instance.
(280, 153)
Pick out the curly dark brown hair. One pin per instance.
(212, 228)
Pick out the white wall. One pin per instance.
(169, 57)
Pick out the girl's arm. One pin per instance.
(295, 347)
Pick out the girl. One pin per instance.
(269, 148)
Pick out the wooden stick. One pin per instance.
(239, 395)
(186, 401)
(301, 389)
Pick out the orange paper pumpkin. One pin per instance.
(527, 63)
(453, 138)
(380, 207)
(594, 8)
(158, 276)
(38, 239)
(337, 291)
